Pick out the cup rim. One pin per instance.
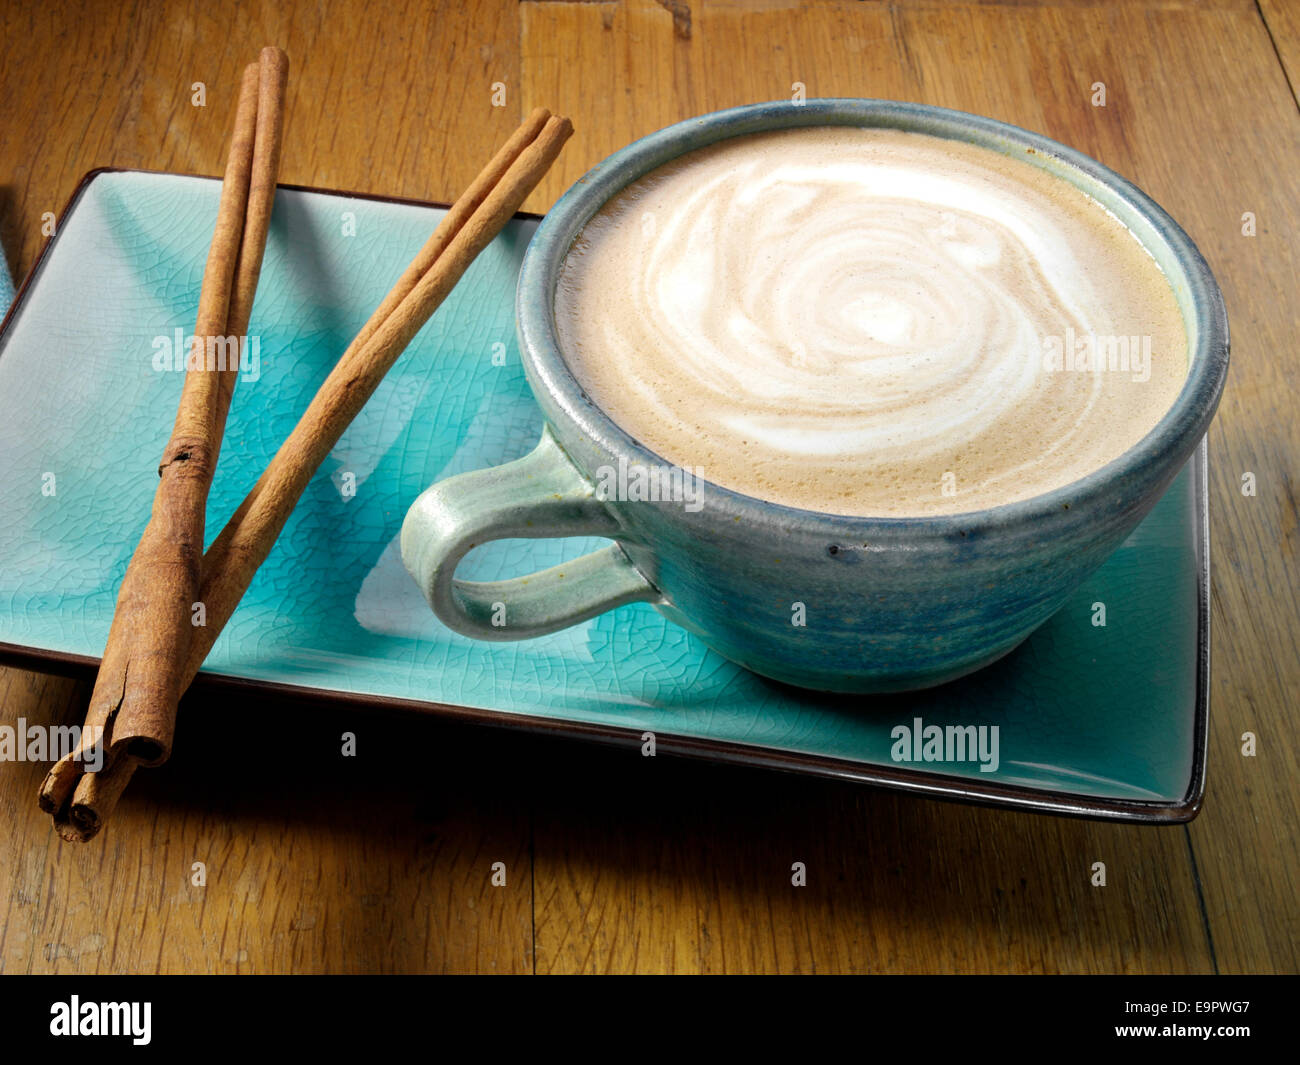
(1200, 302)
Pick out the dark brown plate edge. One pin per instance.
(926, 785)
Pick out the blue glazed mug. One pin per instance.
(888, 604)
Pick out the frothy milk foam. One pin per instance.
(870, 322)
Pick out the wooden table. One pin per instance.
(617, 863)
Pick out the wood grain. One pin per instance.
(655, 866)
(378, 862)
(1282, 19)
(368, 109)
(643, 865)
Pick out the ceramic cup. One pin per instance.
(888, 604)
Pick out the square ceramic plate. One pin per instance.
(1105, 721)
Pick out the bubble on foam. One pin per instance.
(828, 305)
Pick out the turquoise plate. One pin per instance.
(1093, 720)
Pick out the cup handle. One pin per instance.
(538, 496)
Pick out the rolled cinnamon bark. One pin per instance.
(168, 564)
(229, 564)
(133, 703)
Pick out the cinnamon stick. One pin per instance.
(146, 721)
(452, 223)
(273, 77)
(229, 564)
(133, 701)
(111, 683)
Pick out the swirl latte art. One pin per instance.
(870, 322)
